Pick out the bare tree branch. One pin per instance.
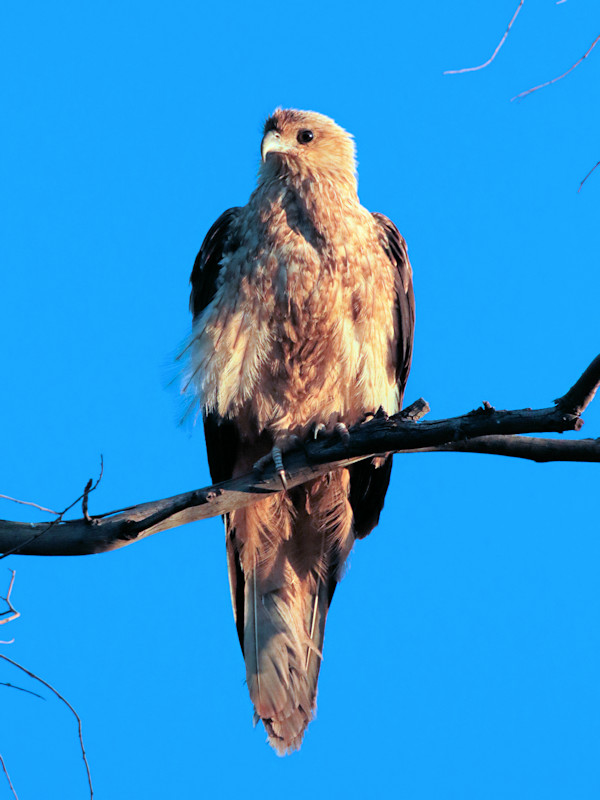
(521, 95)
(21, 689)
(45, 527)
(597, 164)
(485, 430)
(583, 391)
(27, 503)
(530, 448)
(560, 77)
(69, 706)
(12, 611)
(12, 788)
(494, 54)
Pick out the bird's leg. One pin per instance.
(283, 443)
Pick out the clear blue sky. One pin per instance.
(462, 655)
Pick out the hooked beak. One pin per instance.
(271, 143)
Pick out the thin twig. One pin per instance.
(84, 502)
(11, 609)
(27, 503)
(587, 176)
(560, 77)
(12, 788)
(86, 492)
(21, 689)
(494, 54)
(69, 706)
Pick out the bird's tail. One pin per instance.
(289, 551)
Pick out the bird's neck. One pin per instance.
(322, 199)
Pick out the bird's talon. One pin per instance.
(318, 429)
(275, 457)
(342, 432)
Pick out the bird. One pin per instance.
(303, 321)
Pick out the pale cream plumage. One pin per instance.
(303, 315)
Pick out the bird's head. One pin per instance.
(306, 144)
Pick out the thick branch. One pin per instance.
(581, 394)
(530, 448)
(484, 430)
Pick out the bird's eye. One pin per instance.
(304, 137)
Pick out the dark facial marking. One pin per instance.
(271, 125)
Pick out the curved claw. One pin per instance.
(277, 456)
(318, 429)
(342, 432)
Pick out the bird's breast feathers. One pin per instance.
(302, 327)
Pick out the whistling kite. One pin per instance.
(303, 321)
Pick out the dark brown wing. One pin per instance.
(221, 435)
(395, 247)
(208, 261)
(368, 484)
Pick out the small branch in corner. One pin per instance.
(12, 611)
(12, 788)
(587, 176)
(494, 54)
(69, 706)
(521, 95)
(21, 689)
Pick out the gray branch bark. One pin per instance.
(484, 430)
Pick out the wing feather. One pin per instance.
(208, 261)
(368, 484)
(221, 435)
